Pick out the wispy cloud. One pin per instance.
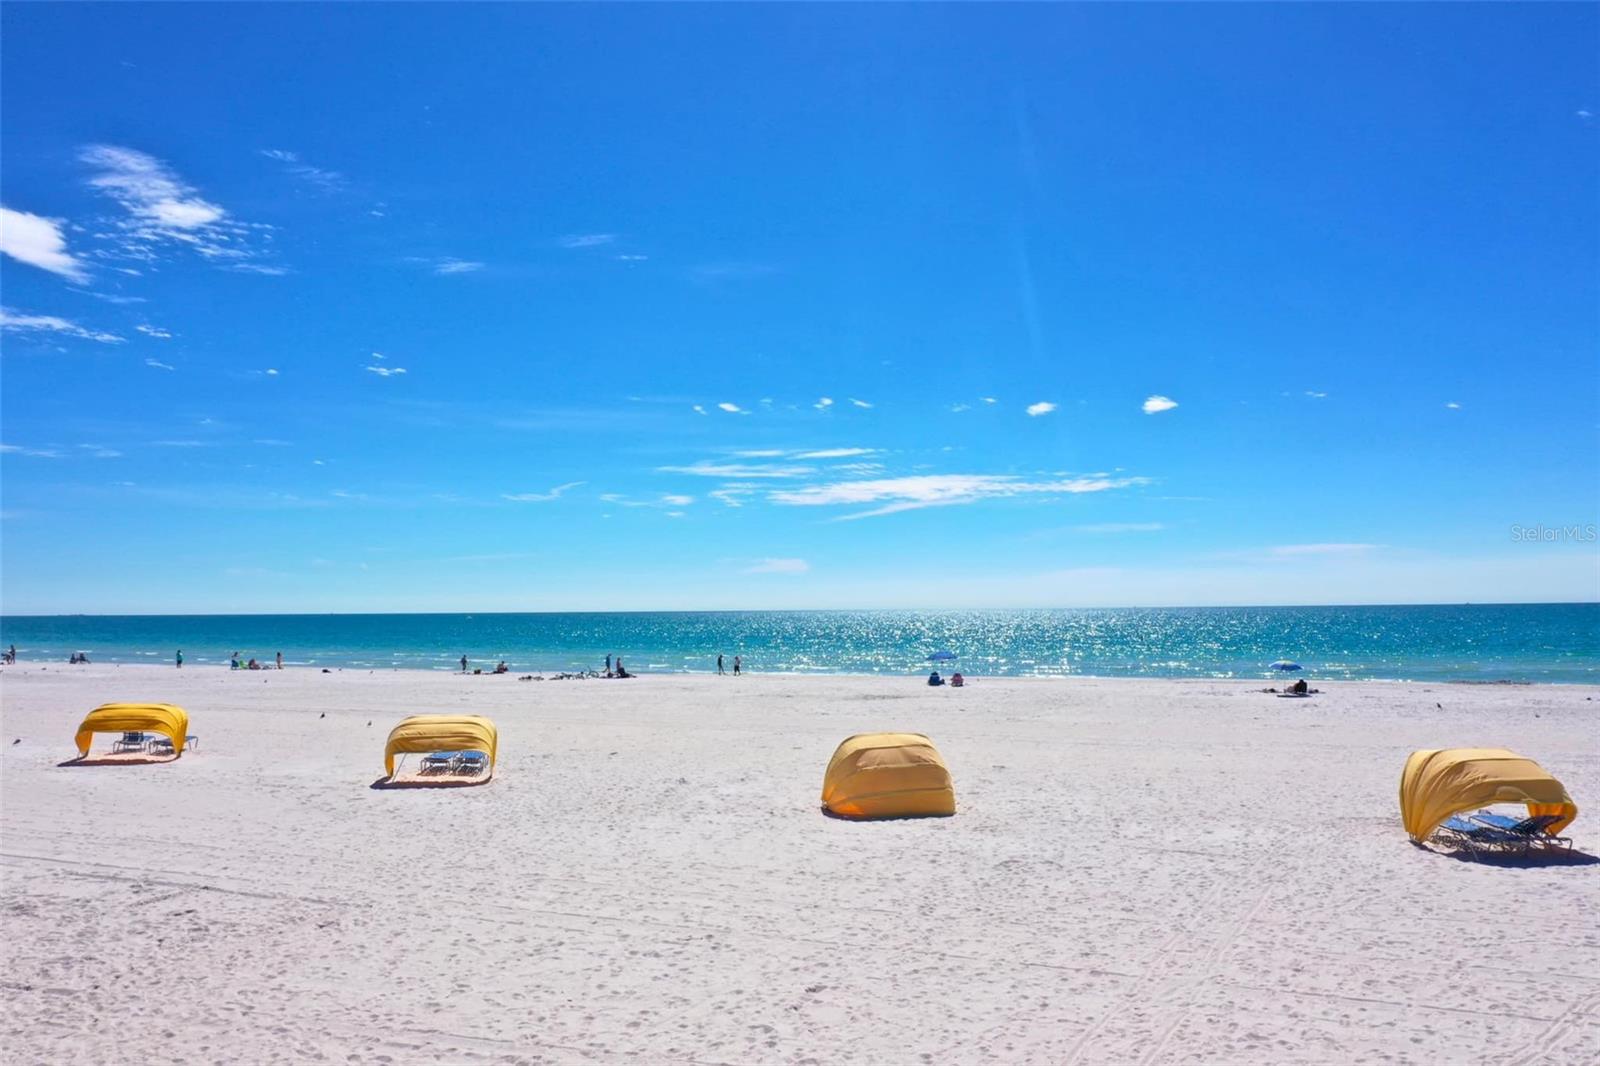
(1156, 404)
(32, 453)
(937, 490)
(1453, 406)
(733, 495)
(957, 408)
(164, 209)
(456, 266)
(834, 453)
(1315, 395)
(587, 240)
(706, 468)
(699, 409)
(38, 241)
(153, 331)
(327, 180)
(732, 408)
(159, 365)
(672, 499)
(708, 273)
(823, 404)
(1322, 549)
(990, 399)
(778, 566)
(1043, 407)
(384, 371)
(13, 322)
(100, 451)
(864, 405)
(631, 258)
(541, 497)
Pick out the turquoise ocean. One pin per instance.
(1510, 643)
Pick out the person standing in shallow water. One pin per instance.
(463, 664)
(738, 661)
(719, 664)
(280, 660)
(180, 658)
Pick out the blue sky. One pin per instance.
(520, 306)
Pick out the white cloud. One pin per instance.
(379, 356)
(1315, 395)
(1120, 527)
(699, 409)
(823, 404)
(672, 500)
(588, 240)
(834, 453)
(937, 490)
(1584, 113)
(541, 497)
(32, 453)
(328, 180)
(732, 408)
(456, 266)
(385, 371)
(674, 514)
(271, 372)
(17, 323)
(1043, 407)
(778, 566)
(153, 331)
(732, 495)
(38, 241)
(1156, 404)
(1453, 406)
(158, 364)
(990, 399)
(632, 258)
(1321, 549)
(163, 209)
(705, 468)
(864, 405)
(113, 298)
(762, 453)
(957, 408)
(100, 451)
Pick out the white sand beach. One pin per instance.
(1139, 871)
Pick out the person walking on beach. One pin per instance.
(280, 660)
(608, 664)
(463, 664)
(719, 663)
(180, 658)
(738, 661)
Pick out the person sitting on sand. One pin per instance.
(956, 680)
(253, 665)
(1299, 687)
(502, 668)
(935, 679)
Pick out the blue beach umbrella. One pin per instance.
(1284, 664)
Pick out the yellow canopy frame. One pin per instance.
(441, 732)
(887, 775)
(1438, 783)
(164, 718)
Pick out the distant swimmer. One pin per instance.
(180, 658)
(463, 664)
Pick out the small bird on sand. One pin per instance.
(14, 743)
(324, 714)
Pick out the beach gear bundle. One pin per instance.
(164, 718)
(1438, 784)
(887, 775)
(428, 733)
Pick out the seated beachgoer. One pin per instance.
(956, 680)
(1299, 687)
(253, 665)
(502, 668)
(935, 679)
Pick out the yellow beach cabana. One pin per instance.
(428, 733)
(163, 718)
(887, 775)
(1437, 784)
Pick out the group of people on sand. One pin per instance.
(956, 680)
(738, 664)
(9, 656)
(78, 658)
(235, 664)
(615, 669)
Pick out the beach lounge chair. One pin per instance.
(129, 742)
(439, 762)
(1477, 838)
(1536, 830)
(472, 762)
